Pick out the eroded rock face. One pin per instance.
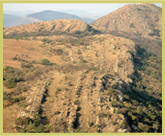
(35, 98)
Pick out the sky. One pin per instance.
(88, 7)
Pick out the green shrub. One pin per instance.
(97, 126)
(58, 89)
(123, 124)
(16, 99)
(56, 92)
(113, 122)
(23, 89)
(45, 62)
(21, 98)
(15, 58)
(6, 68)
(112, 92)
(114, 104)
(11, 85)
(22, 104)
(64, 103)
(94, 68)
(90, 124)
(57, 112)
(117, 111)
(77, 102)
(18, 121)
(33, 61)
(36, 122)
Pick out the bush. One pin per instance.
(11, 85)
(6, 68)
(94, 68)
(113, 122)
(16, 99)
(21, 98)
(33, 61)
(56, 92)
(59, 51)
(57, 112)
(15, 58)
(45, 62)
(77, 102)
(28, 65)
(23, 89)
(123, 124)
(22, 104)
(132, 25)
(103, 115)
(90, 124)
(64, 103)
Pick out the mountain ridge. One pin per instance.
(45, 15)
(134, 21)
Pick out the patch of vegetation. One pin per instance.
(46, 62)
(143, 106)
(26, 65)
(22, 104)
(57, 112)
(15, 35)
(11, 76)
(59, 51)
(123, 124)
(37, 125)
(77, 102)
(113, 122)
(112, 93)
(64, 103)
(90, 124)
(101, 114)
(155, 33)
(78, 130)
(46, 40)
(132, 25)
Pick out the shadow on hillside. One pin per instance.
(151, 45)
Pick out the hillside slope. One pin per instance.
(81, 77)
(140, 22)
(70, 84)
(48, 28)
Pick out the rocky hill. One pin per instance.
(140, 22)
(64, 76)
(45, 28)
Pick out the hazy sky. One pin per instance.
(91, 7)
